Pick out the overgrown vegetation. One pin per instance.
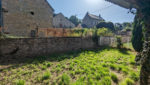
(91, 67)
(92, 32)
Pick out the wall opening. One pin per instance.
(32, 13)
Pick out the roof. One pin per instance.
(125, 3)
(49, 5)
(95, 17)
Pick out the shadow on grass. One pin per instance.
(8, 63)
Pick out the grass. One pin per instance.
(91, 67)
(20, 82)
(114, 77)
(46, 75)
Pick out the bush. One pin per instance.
(114, 77)
(104, 32)
(20, 82)
(137, 35)
(108, 25)
(119, 43)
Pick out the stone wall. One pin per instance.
(106, 41)
(28, 47)
(23, 17)
(111, 41)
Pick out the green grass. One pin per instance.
(46, 75)
(90, 67)
(114, 77)
(20, 82)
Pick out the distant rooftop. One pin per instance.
(95, 16)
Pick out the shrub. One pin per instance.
(109, 25)
(65, 80)
(20, 82)
(46, 75)
(114, 77)
(137, 35)
(119, 43)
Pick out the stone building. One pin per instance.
(59, 21)
(91, 20)
(24, 17)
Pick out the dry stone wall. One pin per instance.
(30, 47)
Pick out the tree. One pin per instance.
(74, 20)
(137, 35)
(109, 25)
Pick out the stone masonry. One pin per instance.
(30, 47)
(24, 17)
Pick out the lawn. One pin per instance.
(107, 66)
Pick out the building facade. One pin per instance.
(91, 20)
(24, 17)
(59, 21)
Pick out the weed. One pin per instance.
(46, 75)
(106, 81)
(128, 81)
(49, 64)
(114, 77)
(20, 82)
(44, 67)
(65, 80)
(134, 76)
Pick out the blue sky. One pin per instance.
(107, 10)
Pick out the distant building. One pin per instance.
(91, 20)
(60, 21)
(24, 17)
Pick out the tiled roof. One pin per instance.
(95, 17)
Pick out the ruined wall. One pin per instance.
(22, 16)
(42, 46)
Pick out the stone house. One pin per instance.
(60, 21)
(91, 20)
(24, 17)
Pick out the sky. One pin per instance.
(107, 10)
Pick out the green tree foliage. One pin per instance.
(104, 32)
(137, 35)
(74, 20)
(109, 25)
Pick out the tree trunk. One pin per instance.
(145, 61)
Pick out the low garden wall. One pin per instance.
(29, 47)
